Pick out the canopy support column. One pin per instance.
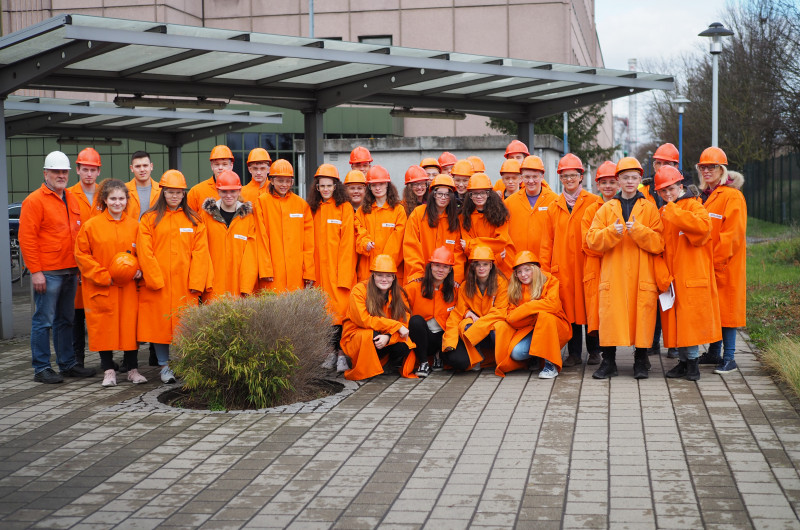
(525, 133)
(6, 308)
(314, 156)
(174, 154)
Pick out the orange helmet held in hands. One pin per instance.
(123, 267)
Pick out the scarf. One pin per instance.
(708, 191)
(572, 198)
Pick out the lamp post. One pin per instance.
(716, 31)
(681, 101)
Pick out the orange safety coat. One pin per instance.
(385, 227)
(200, 192)
(562, 253)
(429, 308)
(233, 250)
(47, 230)
(694, 318)
(528, 226)
(88, 210)
(490, 309)
(251, 191)
(174, 260)
(135, 208)
(334, 254)
(494, 237)
(591, 270)
(111, 310)
(628, 290)
(286, 228)
(728, 211)
(420, 240)
(544, 317)
(357, 334)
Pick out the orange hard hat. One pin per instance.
(430, 162)
(172, 178)
(415, 174)
(327, 170)
(123, 267)
(354, 177)
(462, 168)
(606, 169)
(377, 174)
(383, 263)
(259, 154)
(443, 180)
(481, 253)
(532, 162)
(88, 157)
(442, 255)
(447, 159)
(713, 155)
(479, 181)
(477, 164)
(667, 152)
(360, 155)
(220, 151)
(570, 161)
(526, 256)
(666, 176)
(516, 147)
(281, 168)
(628, 163)
(510, 166)
(228, 180)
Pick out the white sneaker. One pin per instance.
(549, 371)
(341, 364)
(109, 378)
(330, 361)
(135, 377)
(167, 375)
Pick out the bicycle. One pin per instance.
(18, 268)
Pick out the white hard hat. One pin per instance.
(56, 160)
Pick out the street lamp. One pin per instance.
(716, 31)
(680, 101)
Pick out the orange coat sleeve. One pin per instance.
(412, 245)
(602, 235)
(359, 315)
(732, 232)
(498, 312)
(450, 337)
(694, 222)
(90, 268)
(586, 223)
(262, 235)
(647, 232)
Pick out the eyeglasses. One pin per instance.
(483, 193)
(569, 177)
(707, 167)
(442, 194)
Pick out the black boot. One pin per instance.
(640, 364)
(692, 370)
(709, 358)
(608, 368)
(679, 370)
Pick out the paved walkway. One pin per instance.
(449, 451)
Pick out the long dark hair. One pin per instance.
(398, 309)
(315, 197)
(448, 287)
(410, 199)
(494, 210)
(160, 207)
(471, 283)
(452, 210)
(392, 198)
(105, 189)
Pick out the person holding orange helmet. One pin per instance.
(461, 172)
(529, 206)
(562, 254)
(334, 252)
(536, 327)
(431, 298)
(469, 337)
(380, 223)
(231, 230)
(258, 162)
(516, 150)
(446, 162)
(627, 231)
(728, 211)
(221, 159)
(375, 329)
(360, 159)
(415, 192)
(111, 304)
(431, 226)
(172, 248)
(143, 190)
(484, 221)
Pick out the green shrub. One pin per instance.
(254, 352)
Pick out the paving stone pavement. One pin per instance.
(449, 451)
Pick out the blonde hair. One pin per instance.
(516, 287)
(722, 179)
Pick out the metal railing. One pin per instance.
(772, 189)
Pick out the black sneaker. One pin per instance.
(424, 370)
(77, 371)
(49, 376)
(438, 365)
(709, 358)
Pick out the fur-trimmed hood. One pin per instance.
(211, 207)
(737, 180)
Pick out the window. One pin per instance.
(380, 40)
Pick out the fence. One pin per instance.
(772, 189)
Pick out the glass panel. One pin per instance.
(531, 90)
(250, 141)
(263, 71)
(111, 23)
(124, 58)
(234, 141)
(578, 92)
(285, 142)
(499, 84)
(337, 72)
(33, 46)
(380, 40)
(268, 142)
(202, 63)
(443, 82)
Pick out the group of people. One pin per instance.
(453, 273)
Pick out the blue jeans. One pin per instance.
(728, 345)
(55, 309)
(688, 353)
(520, 351)
(162, 353)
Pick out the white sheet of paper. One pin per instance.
(667, 298)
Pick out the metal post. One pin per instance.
(714, 99)
(680, 142)
(566, 133)
(311, 18)
(525, 133)
(174, 157)
(314, 156)
(6, 308)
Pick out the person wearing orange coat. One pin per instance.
(536, 327)
(380, 223)
(143, 190)
(173, 255)
(415, 192)
(431, 299)
(484, 221)
(286, 228)
(469, 337)
(334, 252)
(374, 331)
(563, 245)
(221, 159)
(111, 303)
(231, 232)
(528, 210)
(689, 257)
(728, 211)
(627, 231)
(431, 226)
(258, 162)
